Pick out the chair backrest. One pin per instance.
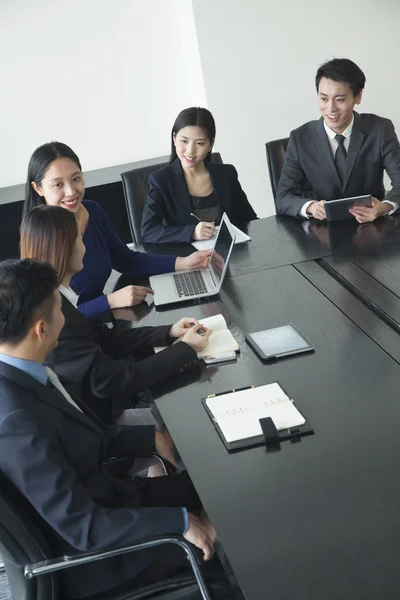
(134, 183)
(21, 542)
(276, 154)
(10, 220)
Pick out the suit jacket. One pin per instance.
(166, 215)
(54, 455)
(309, 163)
(97, 364)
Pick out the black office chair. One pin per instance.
(134, 183)
(10, 220)
(32, 569)
(276, 154)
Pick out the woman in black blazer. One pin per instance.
(186, 199)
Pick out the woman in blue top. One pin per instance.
(55, 178)
(186, 199)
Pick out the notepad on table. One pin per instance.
(238, 234)
(237, 414)
(221, 340)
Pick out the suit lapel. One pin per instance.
(181, 192)
(56, 400)
(326, 152)
(218, 184)
(49, 396)
(356, 141)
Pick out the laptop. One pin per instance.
(200, 283)
(338, 210)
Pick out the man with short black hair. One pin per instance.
(55, 452)
(343, 154)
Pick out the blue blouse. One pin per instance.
(104, 252)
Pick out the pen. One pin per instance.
(248, 387)
(195, 216)
(199, 331)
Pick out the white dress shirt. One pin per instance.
(334, 146)
(69, 294)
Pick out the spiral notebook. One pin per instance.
(235, 415)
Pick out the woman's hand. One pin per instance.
(197, 260)
(204, 231)
(128, 296)
(197, 341)
(182, 326)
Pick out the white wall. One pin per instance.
(106, 77)
(259, 59)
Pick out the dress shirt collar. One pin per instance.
(30, 367)
(346, 133)
(69, 294)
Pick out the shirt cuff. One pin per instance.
(395, 207)
(185, 521)
(303, 210)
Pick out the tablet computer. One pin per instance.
(279, 341)
(338, 210)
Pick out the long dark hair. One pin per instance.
(40, 161)
(49, 233)
(193, 117)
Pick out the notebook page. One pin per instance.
(238, 413)
(220, 341)
(217, 344)
(215, 323)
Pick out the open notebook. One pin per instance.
(221, 339)
(236, 414)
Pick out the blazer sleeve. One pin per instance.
(241, 207)
(81, 357)
(390, 150)
(34, 459)
(289, 195)
(125, 260)
(94, 309)
(154, 227)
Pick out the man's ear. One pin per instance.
(359, 97)
(37, 189)
(39, 330)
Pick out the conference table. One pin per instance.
(319, 518)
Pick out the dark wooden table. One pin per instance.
(320, 518)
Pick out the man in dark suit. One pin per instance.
(54, 451)
(344, 154)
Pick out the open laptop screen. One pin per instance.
(221, 250)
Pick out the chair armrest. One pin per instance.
(73, 560)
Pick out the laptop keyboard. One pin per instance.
(189, 284)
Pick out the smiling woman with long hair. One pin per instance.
(186, 199)
(55, 178)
